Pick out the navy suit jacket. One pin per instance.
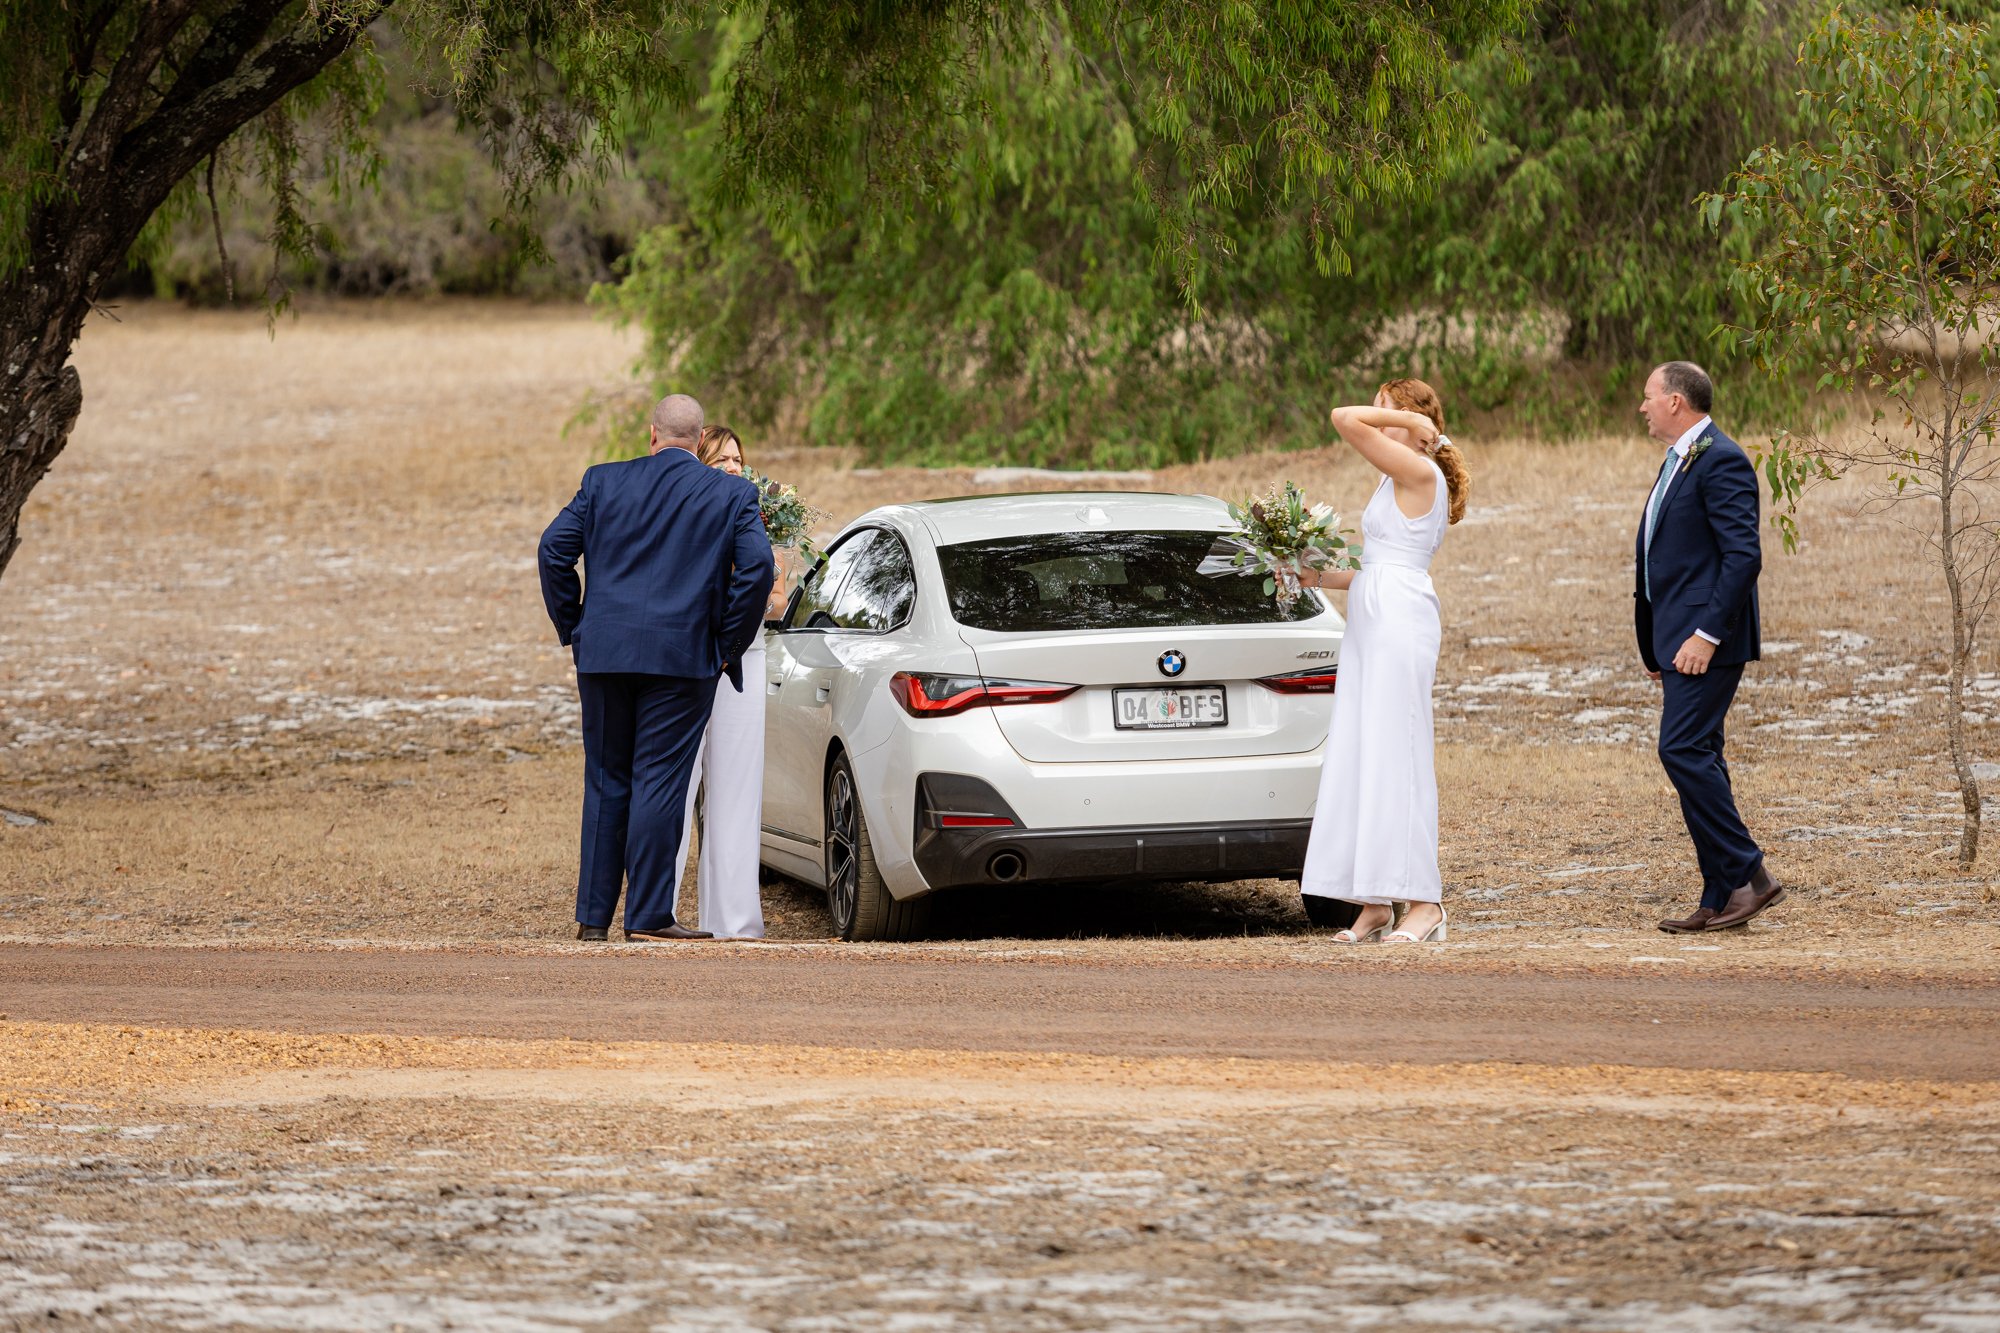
(1705, 559)
(678, 562)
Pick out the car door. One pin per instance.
(798, 671)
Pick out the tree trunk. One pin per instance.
(1961, 668)
(120, 170)
(36, 427)
(40, 393)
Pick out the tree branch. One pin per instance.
(230, 40)
(221, 249)
(87, 31)
(168, 145)
(90, 156)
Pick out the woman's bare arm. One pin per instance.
(1361, 427)
(1333, 580)
(784, 560)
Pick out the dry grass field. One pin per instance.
(273, 666)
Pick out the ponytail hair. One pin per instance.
(1417, 396)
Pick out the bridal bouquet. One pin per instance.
(1277, 535)
(788, 519)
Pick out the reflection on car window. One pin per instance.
(1103, 580)
(823, 584)
(879, 592)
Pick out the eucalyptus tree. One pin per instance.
(1876, 262)
(117, 113)
(1572, 226)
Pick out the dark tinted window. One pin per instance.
(1102, 580)
(879, 592)
(823, 584)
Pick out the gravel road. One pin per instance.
(816, 996)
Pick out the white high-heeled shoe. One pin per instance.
(1435, 935)
(1347, 936)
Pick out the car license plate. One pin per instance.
(1170, 709)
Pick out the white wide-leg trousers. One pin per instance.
(730, 769)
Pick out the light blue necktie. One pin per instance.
(1653, 516)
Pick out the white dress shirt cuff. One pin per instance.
(1704, 634)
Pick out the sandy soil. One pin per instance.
(242, 1179)
(788, 995)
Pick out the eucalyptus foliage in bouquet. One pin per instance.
(788, 520)
(1277, 535)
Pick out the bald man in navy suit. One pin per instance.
(1695, 596)
(678, 567)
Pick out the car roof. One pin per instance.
(984, 517)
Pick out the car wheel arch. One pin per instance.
(835, 748)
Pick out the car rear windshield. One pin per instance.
(1102, 580)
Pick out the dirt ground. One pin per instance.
(821, 994)
(178, 1179)
(273, 666)
(274, 673)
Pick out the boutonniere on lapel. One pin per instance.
(1696, 450)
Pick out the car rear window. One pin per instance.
(1102, 580)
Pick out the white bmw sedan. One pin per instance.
(987, 692)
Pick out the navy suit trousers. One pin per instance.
(640, 737)
(1691, 716)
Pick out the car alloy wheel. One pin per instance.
(862, 906)
(843, 848)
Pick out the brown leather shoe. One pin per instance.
(673, 932)
(1748, 901)
(1692, 924)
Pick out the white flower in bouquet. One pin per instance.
(788, 519)
(1279, 536)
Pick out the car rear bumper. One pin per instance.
(959, 858)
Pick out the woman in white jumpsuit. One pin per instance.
(730, 767)
(1374, 838)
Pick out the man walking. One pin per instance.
(678, 567)
(1696, 613)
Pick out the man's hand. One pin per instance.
(1693, 658)
(1654, 674)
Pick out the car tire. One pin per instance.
(861, 904)
(1329, 913)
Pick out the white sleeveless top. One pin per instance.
(1390, 537)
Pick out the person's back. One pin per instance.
(659, 542)
(679, 567)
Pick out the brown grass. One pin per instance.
(274, 664)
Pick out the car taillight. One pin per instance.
(925, 695)
(974, 821)
(1320, 680)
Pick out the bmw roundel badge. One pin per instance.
(1173, 662)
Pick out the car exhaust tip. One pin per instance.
(1006, 866)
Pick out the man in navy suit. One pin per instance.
(679, 568)
(1696, 597)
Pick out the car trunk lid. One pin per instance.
(1084, 726)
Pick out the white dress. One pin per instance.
(1374, 834)
(730, 768)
